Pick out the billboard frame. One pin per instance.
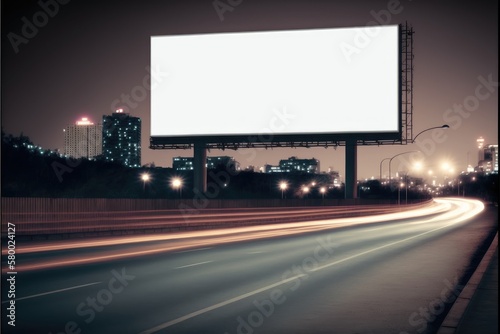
(402, 137)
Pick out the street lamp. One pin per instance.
(444, 126)
(399, 193)
(145, 178)
(397, 155)
(177, 184)
(283, 186)
(305, 190)
(322, 190)
(381, 168)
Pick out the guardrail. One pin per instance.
(63, 217)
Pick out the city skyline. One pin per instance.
(87, 60)
(471, 163)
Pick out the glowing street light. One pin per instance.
(397, 155)
(283, 186)
(322, 190)
(145, 178)
(418, 166)
(401, 185)
(177, 184)
(305, 190)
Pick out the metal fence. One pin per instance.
(60, 216)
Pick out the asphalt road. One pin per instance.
(397, 273)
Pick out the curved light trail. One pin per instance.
(441, 213)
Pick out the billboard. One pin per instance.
(320, 83)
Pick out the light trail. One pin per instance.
(307, 224)
(445, 211)
(460, 211)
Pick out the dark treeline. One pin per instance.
(28, 171)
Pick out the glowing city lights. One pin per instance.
(84, 121)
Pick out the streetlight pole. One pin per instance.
(444, 126)
(381, 168)
(323, 190)
(145, 178)
(305, 190)
(399, 193)
(406, 190)
(283, 186)
(177, 184)
(397, 155)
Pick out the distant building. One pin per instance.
(489, 161)
(121, 138)
(272, 169)
(83, 139)
(480, 147)
(494, 157)
(293, 164)
(335, 178)
(186, 163)
(249, 168)
(182, 163)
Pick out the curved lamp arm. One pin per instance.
(445, 126)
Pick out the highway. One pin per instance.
(385, 273)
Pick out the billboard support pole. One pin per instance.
(200, 167)
(351, 165)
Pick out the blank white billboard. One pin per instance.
(325, 81)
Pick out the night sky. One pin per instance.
(91, 52)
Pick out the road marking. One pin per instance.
(455, 220)
(193, 250)
(394, 243)
(219, 305)
(52, 292)
(192, 265)
(372, 229)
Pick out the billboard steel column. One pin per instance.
(351, 166)
(200, 167)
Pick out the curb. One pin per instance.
(452, 320)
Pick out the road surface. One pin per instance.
(393, 273)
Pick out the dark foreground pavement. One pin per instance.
(476, 309)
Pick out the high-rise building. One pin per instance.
(83, 139)
(480, 147)
(121, 138)
(493, 154)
